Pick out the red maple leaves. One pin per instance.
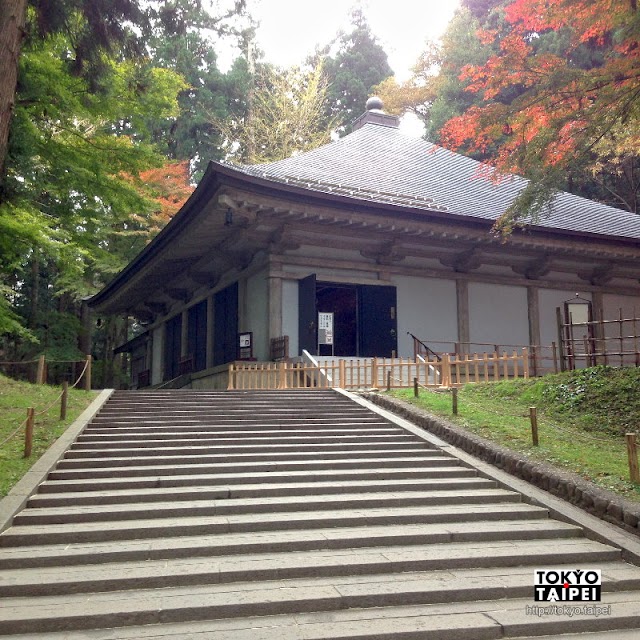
(563, 108)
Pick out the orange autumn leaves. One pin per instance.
(167, 188)
(563, 109)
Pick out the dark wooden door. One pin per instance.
(172, 347)
(307, 315)
(377, 321)
(225, 329)
(197, 336)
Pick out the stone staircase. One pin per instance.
(284, 515)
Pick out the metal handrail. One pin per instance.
(428, 349)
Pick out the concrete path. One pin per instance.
(292, 515)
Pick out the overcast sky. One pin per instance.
(290, 29)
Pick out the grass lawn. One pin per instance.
(15, 398)
(582, 419)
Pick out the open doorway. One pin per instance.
(364, 318)
(342, 301)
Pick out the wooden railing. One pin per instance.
(542, 358)
(445, 371)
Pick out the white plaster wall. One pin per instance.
(612, 304)
(498, 314)
(549, 300)
(156, 355)
(290, 314)
(426, 308)
(254, 313)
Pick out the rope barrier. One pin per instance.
(14, 434)
(43, 411)
(86, 364)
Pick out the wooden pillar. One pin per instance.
(275, 302)
(533, 313)
(210, 322)
(184, 334)
(597, 308)
(244, 323)
(462, 299)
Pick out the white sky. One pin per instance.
(290, 29)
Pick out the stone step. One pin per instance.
(103, 435)
(252, 421)
(81, 532)
(287, 457)
(270, 542)
(202, 439)
(266, 412)
(481, 620)
(152, 574)
(135, 468)
(286, 596)
(272, 505)
(194, 448)
(177, 494)
(238, 423)
(71, 485)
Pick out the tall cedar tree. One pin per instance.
(359, 64)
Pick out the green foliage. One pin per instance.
(66, 202)
(359, 64)
(180, 40)
(598, 399)
(286, 116)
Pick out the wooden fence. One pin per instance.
(614, 342)
(439, 372)
(542, 358)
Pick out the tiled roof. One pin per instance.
(381, 164)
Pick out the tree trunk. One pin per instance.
(12, 20)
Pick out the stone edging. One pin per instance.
(570, 487)
(17, 498)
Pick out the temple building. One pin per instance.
(380, 235)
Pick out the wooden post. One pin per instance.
(525, 362)
(533, 416)
(282, 382)
(374, 373)
(454, 400)
(343, 374)
(445, 380)
(28, 432)
(230, 385)
(63, 400)
(554, 349)
(388, 380)
(416, 392)
(87, 375)
(534, 360)
(560, 338)
(632, 452)
(40, 375)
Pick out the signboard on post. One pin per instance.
(325, 330)
(245, 346)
